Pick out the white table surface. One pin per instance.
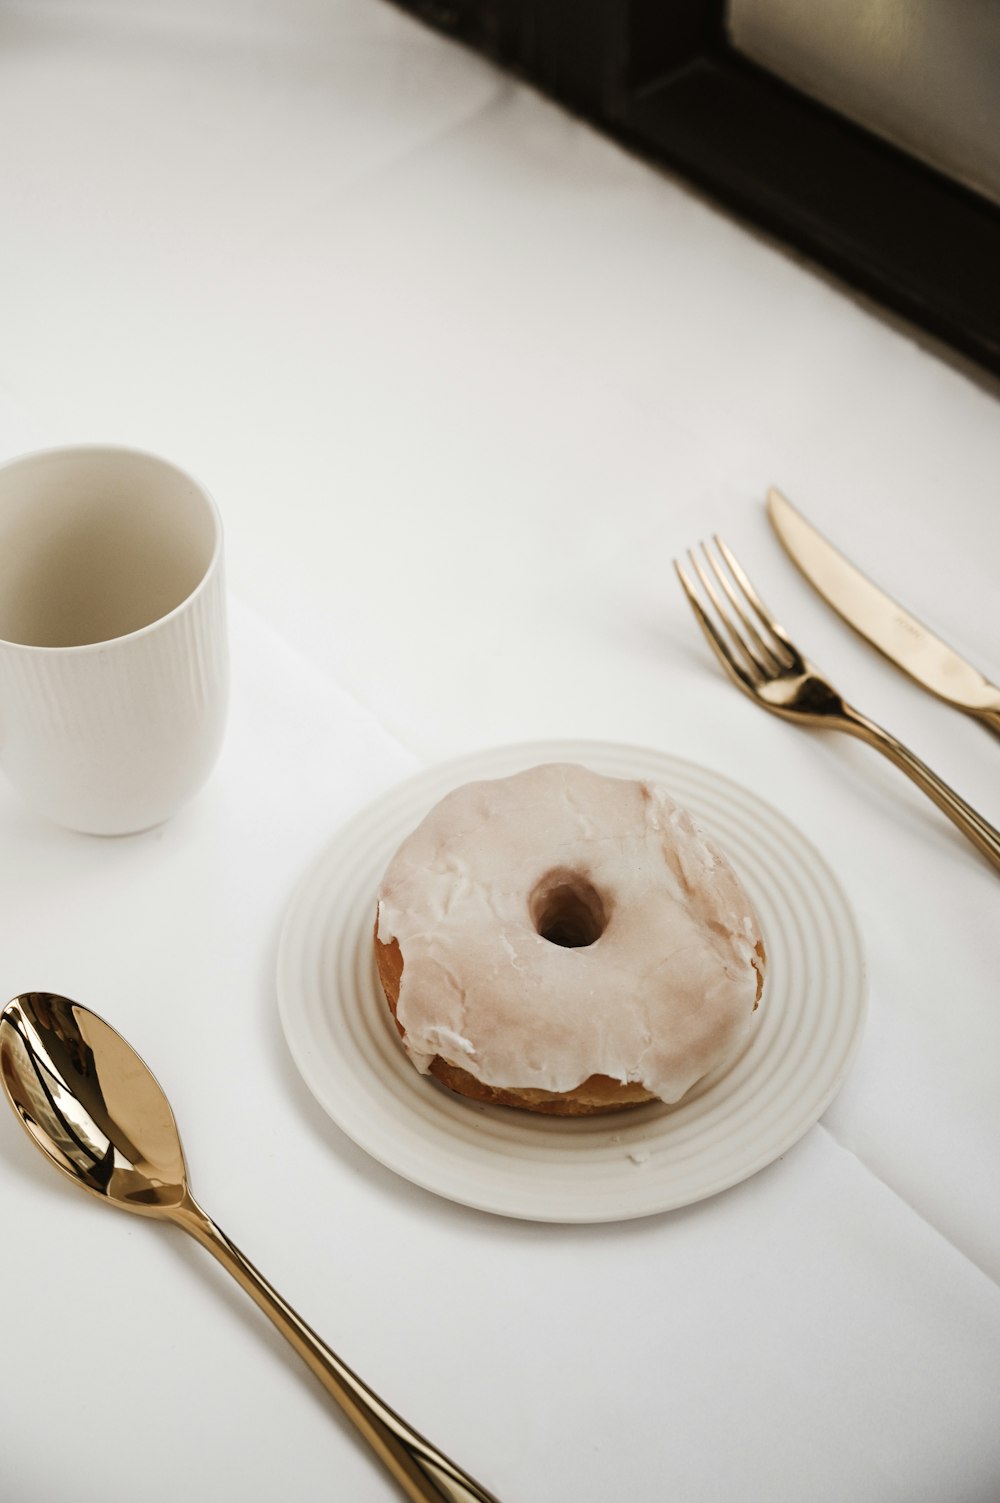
(464, 377)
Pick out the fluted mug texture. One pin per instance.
(113, 651)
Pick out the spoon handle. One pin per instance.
(424, 1474)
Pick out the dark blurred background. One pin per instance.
(866, 133)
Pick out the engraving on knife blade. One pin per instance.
(910, 627)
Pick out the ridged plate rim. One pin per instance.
(638, 1163)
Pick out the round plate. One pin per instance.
(606, 1168)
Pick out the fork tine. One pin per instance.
(772, 663)
(761, 670)
(715, 640)
(791, 654)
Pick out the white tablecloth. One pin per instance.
(463, 378)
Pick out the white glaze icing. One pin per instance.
(666, 992)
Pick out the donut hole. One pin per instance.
(567, 910)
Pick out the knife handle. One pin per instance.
(991, 719)
(982, 834)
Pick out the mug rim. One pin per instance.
(133, 452)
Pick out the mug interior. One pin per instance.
(96, 544)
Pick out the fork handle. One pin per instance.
(982, 834)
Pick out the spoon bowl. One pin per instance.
(86, 1099)
(92, 1106)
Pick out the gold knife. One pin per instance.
(882, 621)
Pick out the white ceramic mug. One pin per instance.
(113, 656)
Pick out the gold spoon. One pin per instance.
(91, 1105)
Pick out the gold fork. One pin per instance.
(762, 660)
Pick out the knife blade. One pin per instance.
(881, 620)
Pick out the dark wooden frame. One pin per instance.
(661, 76)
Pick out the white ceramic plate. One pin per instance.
(652, 1158)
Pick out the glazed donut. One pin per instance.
(567, 943)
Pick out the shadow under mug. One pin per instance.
(113, 652)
